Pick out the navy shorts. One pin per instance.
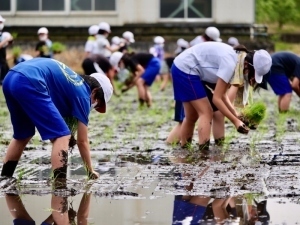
(26, 222)
(179, 109)
(209, 94)
(23, 222)
(280, 83)
(31, 108)
(183, 209)
(151, 71)
(186, 87)
(179, 112)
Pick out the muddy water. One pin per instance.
(253, 178)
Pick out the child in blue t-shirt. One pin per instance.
(40, 93)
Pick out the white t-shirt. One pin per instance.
(209, 60)
(197, 40)
(100, 46)
(89, 45)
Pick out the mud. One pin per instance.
(140, 176)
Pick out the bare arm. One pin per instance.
(112, 49)
(137, 74)
(84, 146)
(296, 85)
(84, 209)
(4, 42)
(229, 105)
(218, 100)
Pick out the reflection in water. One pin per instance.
(203, 189)
(61, 211)
(194, 210)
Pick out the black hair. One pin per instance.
(102, 32)
(126, 58)
(207, 38)
(94, 84)
(249, 59)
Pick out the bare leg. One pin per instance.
(218, 126)
(201, 109)
(284, 102)
(174, 136)
(165, 79)
(219, 210)
(13, 154)
(188, 124)
(148, 96)
(59, 156)
(140, 84)
(16, 207)
(59, 207)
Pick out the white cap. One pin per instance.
(116, 40)
(153, 51)
(93, 30)
(262, 63)
(2, 19)
(106, 87)
(182, 43)
(115, 59)
(213, 33)
(6, 35)
(129, 36)
(159, 40)
(43, 30)
(233, 41)
(104, 26)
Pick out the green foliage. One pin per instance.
(281, 12)
(58, 47)
(254, 113)
(16, 51)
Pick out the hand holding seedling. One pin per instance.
(93, 175)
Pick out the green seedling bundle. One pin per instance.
(253, 114)
(72, 123)
(58, 47)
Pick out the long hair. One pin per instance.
(249, 59)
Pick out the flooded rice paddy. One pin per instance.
(252, 179)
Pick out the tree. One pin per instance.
(280, 11)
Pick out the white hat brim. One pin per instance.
(258, 78)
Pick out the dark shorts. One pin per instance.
(26, 222)
(183, 209)
(209, 94)
(23, 222)
(179, 109)
(186, 87)
(31, 108)
(3, 70)
(179, 112)
(280, 83)
(151, 71)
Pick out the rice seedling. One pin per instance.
(253, 114)
(72, 123)
(58, 47)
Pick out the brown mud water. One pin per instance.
(251, 178)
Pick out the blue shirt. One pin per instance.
(68, 91)
(286, 63)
